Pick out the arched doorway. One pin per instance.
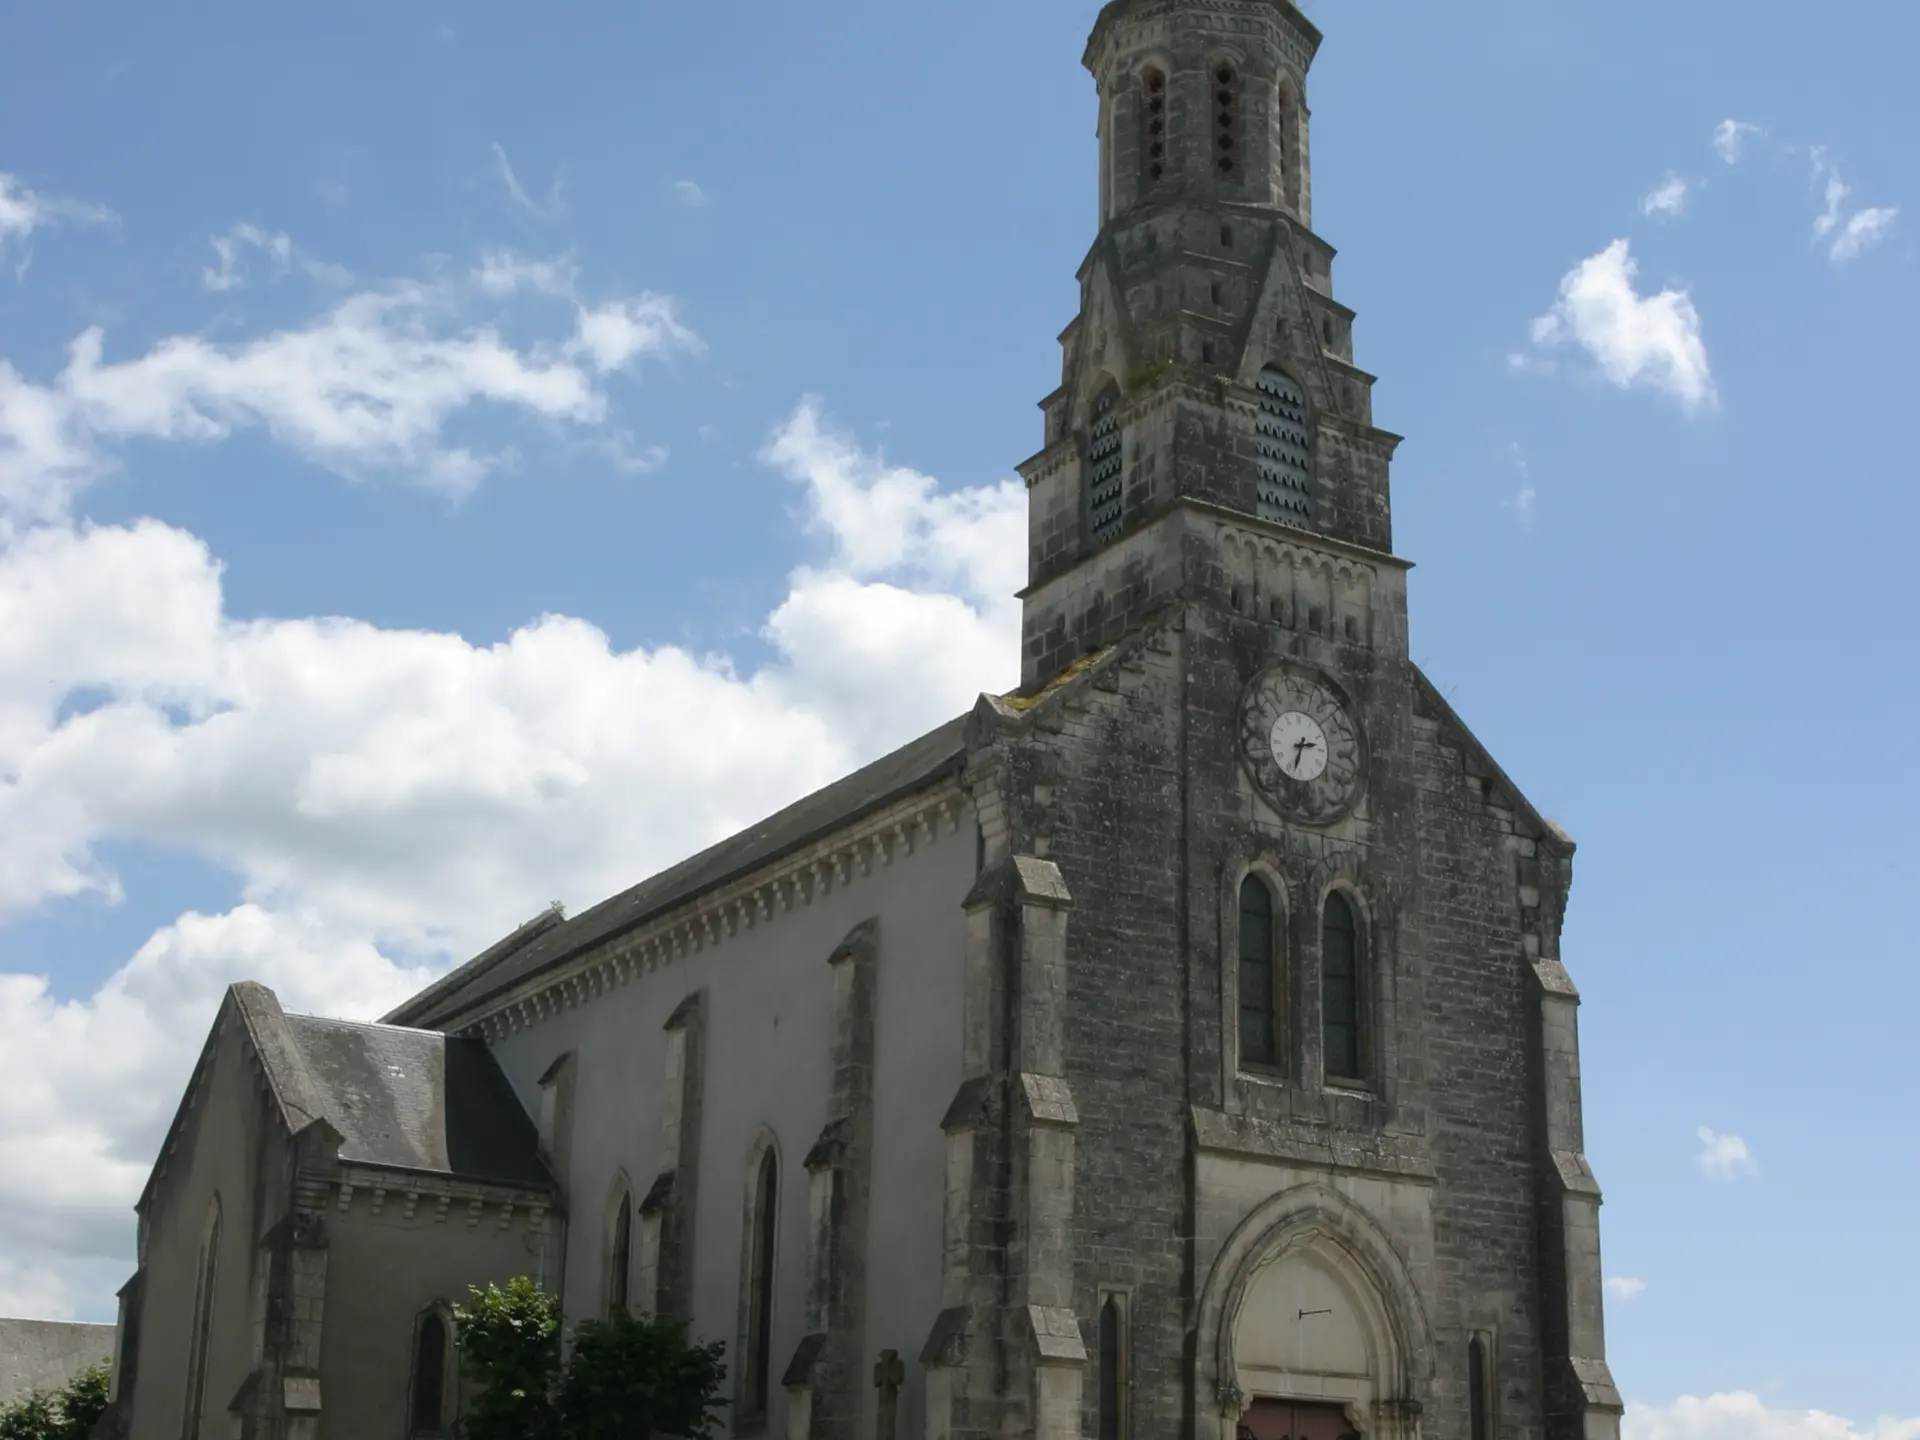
(1314, 1330)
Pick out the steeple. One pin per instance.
(1208, 379)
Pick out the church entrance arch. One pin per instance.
(1312, 1328)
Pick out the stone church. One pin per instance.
(1178, 1046)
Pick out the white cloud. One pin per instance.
(1637, 340)
(1742, 1415)
(552, 209)
(371, 386)
(690, 194)
(389, 799)
(505, 272)
(1669, 197)
(1847, 235)
(1624, 1288)
(1864, 229)
(231, 248)
(1724, 1157)
(1730, 139)
(23, 211)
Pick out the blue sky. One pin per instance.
(521, 447)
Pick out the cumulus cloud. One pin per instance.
(1846, 233)
(1724, 1157)
(1669, 197)
(1730, 139)
(1624, 1288)
(371, 386)
(1652, 341)
(23, 211)
(1742, 1415)
(390, 800)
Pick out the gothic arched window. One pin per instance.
(620, 1253)
(1106, 466)
(199, 1339)
(764, 1215)
(1284, 447)
(431, 1341)
(1113, 1380)
(1340, 1000)
(1153, 125)
(1226, 119)
(1259, 976)
(1479, 1412)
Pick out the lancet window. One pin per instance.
(1340, 1000)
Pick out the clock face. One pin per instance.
(1302, 744)
(1299, 746)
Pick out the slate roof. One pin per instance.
(419, 1100)
(914, 766)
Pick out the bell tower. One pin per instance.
(1209, 400)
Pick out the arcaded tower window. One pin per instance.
(1153, 125)
(1226, 120)
(1284, 446)
(1106, 464)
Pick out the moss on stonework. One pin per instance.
(1017, 701)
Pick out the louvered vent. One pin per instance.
(1285, 449)
(1105, 463)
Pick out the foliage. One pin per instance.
(639, 1375)
(624, 1377)
(66, 1414)
(510, 1341)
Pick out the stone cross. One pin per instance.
(888, 1376)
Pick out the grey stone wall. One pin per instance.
(768, 1038)
(46, 1354)
(390, 1258)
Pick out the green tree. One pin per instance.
(510, 1342)
(627, 1378)
(639, 1376)
(65, 1414)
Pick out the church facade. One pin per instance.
(1178, 1046)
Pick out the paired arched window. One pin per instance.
(1259, 976)
(432, 1346)
(1106, 466)
(1283, 447)
(1226, 119)
(620, 1254)
(1153, 126)
(199, 1339)
(764, 1217)
(1340, 1000)
(1112, 1398)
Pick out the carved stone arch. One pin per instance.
(1314, 1226)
